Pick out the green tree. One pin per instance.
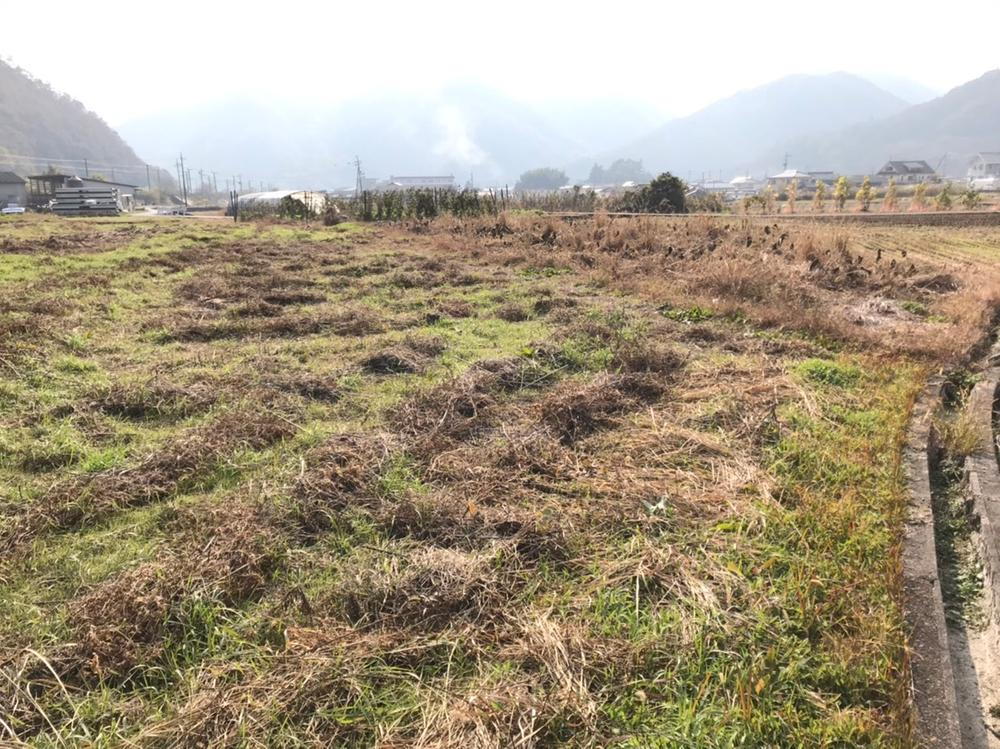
(943, 202)
(840, 193)
(819, 197)
(792, 193)
(620, 171)
(865, 194)
(919, 197)
(665, 194)
(545, 178)
(971, 199)
(889, 204)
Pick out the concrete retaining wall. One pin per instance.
(933, 679)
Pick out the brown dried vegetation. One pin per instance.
(489, 556)
(191, 455)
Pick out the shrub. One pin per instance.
(865, 194)
(819, 197)
(840, 193)
(665, 194)
(792, 194)
(889, 204)
(943, 201)
(971, 199)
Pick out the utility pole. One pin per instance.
(359, 184)
(86, 169)
(215, 184)
(784, 167)
(148, 183)
(201, 181)
(240, 177)
(183, 182)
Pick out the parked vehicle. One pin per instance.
(12, 208)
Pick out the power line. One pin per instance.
(24, 157)
(182, 181)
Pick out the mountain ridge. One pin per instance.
(949, 129)
(736, 134)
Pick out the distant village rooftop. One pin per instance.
(906, 167)
(789, 174)
(423, 181)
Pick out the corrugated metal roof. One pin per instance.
(791, 174)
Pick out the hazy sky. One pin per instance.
(129, 59)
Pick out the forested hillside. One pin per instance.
(38, 122)
(946, 131)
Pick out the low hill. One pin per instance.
(39, 123)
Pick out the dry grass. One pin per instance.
(152, 399)
(224, 554)
(628, 480)
(795, 276)
(79, 500)
(412, 355)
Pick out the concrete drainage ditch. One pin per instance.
(951, 563)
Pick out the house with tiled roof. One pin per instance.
(907, 172)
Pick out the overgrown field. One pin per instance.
(492, 483)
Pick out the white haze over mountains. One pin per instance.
(293, 92)
(467, 130)
(482, 135)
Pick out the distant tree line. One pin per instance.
(545, 178)
(620, 171)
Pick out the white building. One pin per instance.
(785, 178)
(985, 165)
(742, 186)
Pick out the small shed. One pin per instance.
(13, 190)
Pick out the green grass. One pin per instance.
(798, 656)
(715, 567)
(838, 374)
